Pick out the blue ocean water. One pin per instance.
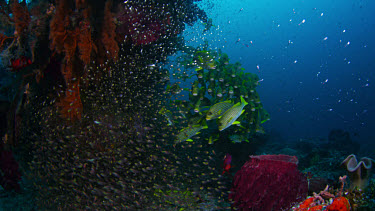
(27, 1)
(315, 59)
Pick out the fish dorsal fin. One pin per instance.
(227, 101)
(237, 104)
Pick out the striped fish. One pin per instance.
(190, 131)
(218, 109)
(231, 115)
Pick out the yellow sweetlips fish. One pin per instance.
(190, 131)
(231, 115)
(218, 109)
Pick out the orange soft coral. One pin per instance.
(70, 105)
(58, 25)
(84, 40)
(71, 36)
(109, 33)
(21, 17)
(71, 32)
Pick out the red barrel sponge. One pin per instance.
(268, 182)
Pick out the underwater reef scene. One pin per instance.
(106, 106)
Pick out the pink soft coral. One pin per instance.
(268, 182)
(141, 25)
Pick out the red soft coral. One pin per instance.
(268, 182)
(339, 204)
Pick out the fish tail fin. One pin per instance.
(243, 101)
